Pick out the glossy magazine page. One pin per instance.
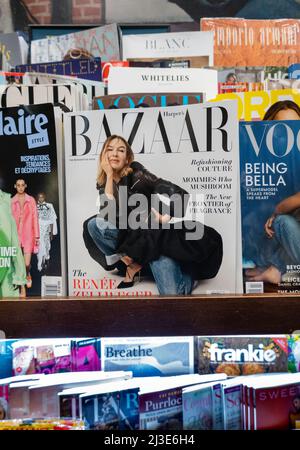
(30, 224)
(191, 151)
(270, 205)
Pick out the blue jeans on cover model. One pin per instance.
(167, 273)
(284, 247)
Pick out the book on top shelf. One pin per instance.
(294, 71)
(14, 50)
(108, 64)
(284, 83)
(124, 80)
(251, 74)
(255, 78)
(89, 69)
(68, 95)
(103, 42)
(248, 42)
(87, 89)
(196, 47)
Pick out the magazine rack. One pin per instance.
(155, 316)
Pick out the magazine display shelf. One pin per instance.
(155, 316)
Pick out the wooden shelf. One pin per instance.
(155, 316)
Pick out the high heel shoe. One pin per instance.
(122, 268)
(129, 284)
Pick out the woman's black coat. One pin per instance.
(201, 257)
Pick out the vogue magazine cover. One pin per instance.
(270, 201)
(144, 100)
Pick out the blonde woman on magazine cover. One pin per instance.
(138, 246)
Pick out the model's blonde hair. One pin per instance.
(101, 175)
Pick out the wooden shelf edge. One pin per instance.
(155, 297)
(152, 316)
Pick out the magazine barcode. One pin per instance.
(254, 287)
(51, 286)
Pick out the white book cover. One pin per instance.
(70, 378)
(100, 42)
(20, 378)
(39, 51)
(188, 45)
(124, 80)
(24, 48)
(193, 147)
(87, 89)
(231, 393)
(35, 94)
(95, 386)
(197, 407)
(152, 356)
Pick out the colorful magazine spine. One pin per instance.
(232, 407)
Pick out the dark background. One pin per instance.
(26, 12)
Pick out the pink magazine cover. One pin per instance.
(86, 355)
